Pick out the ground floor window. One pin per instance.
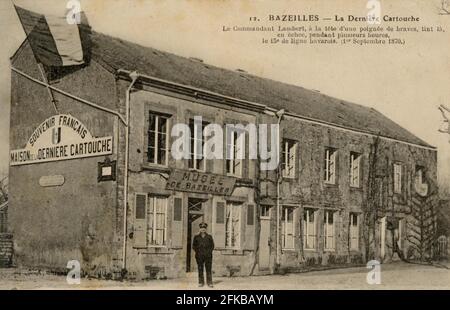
(354, 231)
(232, 225)
(157, 220)
(287, 227)
(309, 229)
(328, 230)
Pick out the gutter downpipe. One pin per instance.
(134, 77)
(279, 115)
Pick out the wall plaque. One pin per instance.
(200, 182)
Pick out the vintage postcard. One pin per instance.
(225, 145)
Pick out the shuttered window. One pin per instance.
(150, 224)
(157, 221)
(232, 225)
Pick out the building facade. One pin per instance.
(92, 177)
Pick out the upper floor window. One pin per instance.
(420, 175)
(328, 229)
(158, 134)
(287, 227)
(197, 158)
(330, 165)
(355, 167)
(235, 151)
(398, 178)
(309, 229)
(288, 156)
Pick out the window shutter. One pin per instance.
(140, 221)
(250, 228)
(177, 223)
(220, 213)
(219, 227)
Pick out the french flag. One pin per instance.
(54, 41)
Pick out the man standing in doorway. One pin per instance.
(203, 246)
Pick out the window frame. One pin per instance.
(240, 134)
(354, 231)
(355, 160)
(284, 225)
(234, 206)
(287, 160)
(326, 230)
(330, 160)
(306, 234)
(150, 199)
(269, 212)
(156, 133)
(193, 140)
(398, 178)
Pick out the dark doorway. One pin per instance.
(195, 217)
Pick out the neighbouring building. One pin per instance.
(352, 184)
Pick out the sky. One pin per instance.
(406, 83)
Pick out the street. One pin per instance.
(393, 276)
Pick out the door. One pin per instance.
(264, 238)
(195, 217)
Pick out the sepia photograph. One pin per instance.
(205, 146)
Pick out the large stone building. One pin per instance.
(345, 191)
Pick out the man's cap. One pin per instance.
(203, 225)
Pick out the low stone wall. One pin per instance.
(6, 250)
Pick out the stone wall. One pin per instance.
(6, 250)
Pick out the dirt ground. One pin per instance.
(393, 276)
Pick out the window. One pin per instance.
(289, 150)
(330, 166)
(265, 211)
(157, 221)
(235, 151)
(157, 152)
(328, 229)
(354, 232)
(287, 227)
(197, 159)
(232, 225)
(309, 229)
(355, 160)
(397, 178)
(419, 175)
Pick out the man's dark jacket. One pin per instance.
(203, 246)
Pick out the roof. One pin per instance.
(119, 54)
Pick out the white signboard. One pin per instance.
(60, 137)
